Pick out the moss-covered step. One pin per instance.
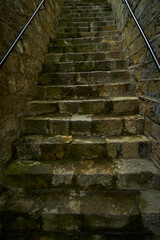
(85, 91)
(130, 174)
(81, 147)
(76, 78)
(84, 125)
(110, 24)
(103, 45)
(100, 65)
(75, 213)
(90, 56)
(109, 35)
(29, 175)
(112, 106)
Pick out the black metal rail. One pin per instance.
(20, 35)
(143, 35)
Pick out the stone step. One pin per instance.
(66, 29)
(100, 65)
(88, 10)
(38, 147)
(86, 91)
(76, 78)
(90, 56)
(110, 24)
(86, 19)
(88, 7)
(84, 3)
(130, 174)
(79, 213)
(84, 45)
(128, 147)
(84, 125)
(89, 14)
(109, 35)
(111, 107)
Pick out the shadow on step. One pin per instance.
(59, 236)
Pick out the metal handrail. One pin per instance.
(143, 35)
(20, 35)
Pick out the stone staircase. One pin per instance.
(81, 168)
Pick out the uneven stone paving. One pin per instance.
(82, 169)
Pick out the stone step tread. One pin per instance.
(90, 61)
(83, 211)
(83, 53)
(82, 56)
(87, 47)
(87, 85)
(90, 14)
(86, 100)
(85, 91)
(62, 139)
(96, 19)
(100, 40)
(106, 65)
(93, 72)
(84, 3)
(91, 77)
(83, 118)
(111, 37)
(89, 8)
(113, 21)
(128, 174)
(87, 30)
(109, 32)
(82, 147)
(86, 19)
(86, 6)
(111, 106)
(84, 125)
(88, 11)
(104, 40)
(84, 27)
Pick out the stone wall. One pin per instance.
(18, 76)
(145, 72)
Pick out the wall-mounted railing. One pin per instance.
(21, 33)
(143, 35)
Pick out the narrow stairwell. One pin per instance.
(82, 169)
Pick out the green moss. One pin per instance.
(20, 168)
